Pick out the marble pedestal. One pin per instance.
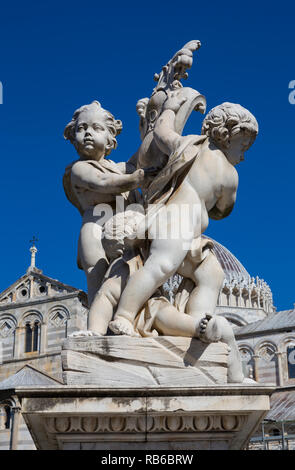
(144, 394)
(88, 417)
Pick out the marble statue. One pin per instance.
(128, 254)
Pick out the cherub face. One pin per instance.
(91, 134)
(238, 144)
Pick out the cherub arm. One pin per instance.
(225, 202)
(165, 136)
(84, 175)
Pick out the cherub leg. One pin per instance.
(92, 258)
(94, 277)
(219, 329)
(169, 321)
(208, 277)
(165, 257)
(107, 298)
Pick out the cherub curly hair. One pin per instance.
(226, 120)
(113, 125)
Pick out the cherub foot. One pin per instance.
(83, 333)
(122, 326)
(209, 329)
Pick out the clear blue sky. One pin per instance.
(56, 56)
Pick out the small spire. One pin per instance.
(33, 251)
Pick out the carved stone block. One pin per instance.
(124, 361)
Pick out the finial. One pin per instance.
(33, 251)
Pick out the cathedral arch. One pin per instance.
(247, 358)
(5, 416)
(31, 316)
(58, 316)
(267, 366)
(246, 349)
(265, 347)
(32, 324)
(285, 342)
(287, 348)
(8, 325)
(57, 326)
(6, 413)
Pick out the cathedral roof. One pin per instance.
(232, 267)
(34, 285)
(282, 404)
(276, 321)
(27, 376)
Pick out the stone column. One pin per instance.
(43, 337)
(15, 427)
(240, 301)
(31, 287)
(19, 343)
(256, 362)
(49, 290)
(280, 357)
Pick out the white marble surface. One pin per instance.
(87, 417)
(139, 362)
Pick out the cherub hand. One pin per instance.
(174, 102)
(143, 175)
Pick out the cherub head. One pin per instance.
(232, 128)
(93, 131)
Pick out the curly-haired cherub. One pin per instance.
(207, 189)
(92, 181)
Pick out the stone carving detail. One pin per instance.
(246, 354)
(58, 317)
(163, 423)
(23, 291)
(7, 327)
(267, 353)
(139, 362)
(7, 299)
(32, 318)
(40, 288)
(247, 292)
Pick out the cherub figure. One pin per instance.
(208, 189)
(93, 181)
